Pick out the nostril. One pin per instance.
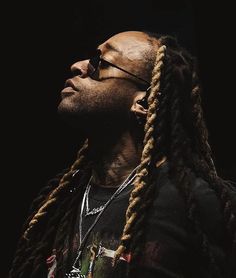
(76, 72)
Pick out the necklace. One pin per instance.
(88, 210)
(76, 267)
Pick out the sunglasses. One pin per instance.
(96, 61)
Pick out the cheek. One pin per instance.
(114, 99)
(107, 94)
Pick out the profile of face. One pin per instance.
(106, 87)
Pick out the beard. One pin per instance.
(97, 104)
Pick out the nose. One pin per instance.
(80, 68)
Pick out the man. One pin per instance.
(143, 198)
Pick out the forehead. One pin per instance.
(130, 44)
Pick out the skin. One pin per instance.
(105, 107)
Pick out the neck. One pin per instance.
(113, 157)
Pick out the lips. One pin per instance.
(69, 89)
(70, 83)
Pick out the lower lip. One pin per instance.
(68, 91)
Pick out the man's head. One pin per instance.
(108, 86)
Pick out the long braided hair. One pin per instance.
(174, 131)
(52, 211)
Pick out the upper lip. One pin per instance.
(70, 83)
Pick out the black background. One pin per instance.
(40, 40)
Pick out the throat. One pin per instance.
(113, 163)
(111, 177)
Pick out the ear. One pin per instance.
(137, 108)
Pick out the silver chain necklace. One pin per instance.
(76, 267)
(88, 210)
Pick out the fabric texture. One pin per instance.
(170, 249)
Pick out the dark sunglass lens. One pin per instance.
(94, 61)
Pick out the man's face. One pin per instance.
(92, 97)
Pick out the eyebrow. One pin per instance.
(113, 48)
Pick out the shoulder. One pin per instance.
(210, 198)
(169, 199)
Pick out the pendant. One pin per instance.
(94, 211)
(75, 273)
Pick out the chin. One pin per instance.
(66, 110)
(89, 118)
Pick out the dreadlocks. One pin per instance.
(29, 259)
(180, 136)
(175, 132)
